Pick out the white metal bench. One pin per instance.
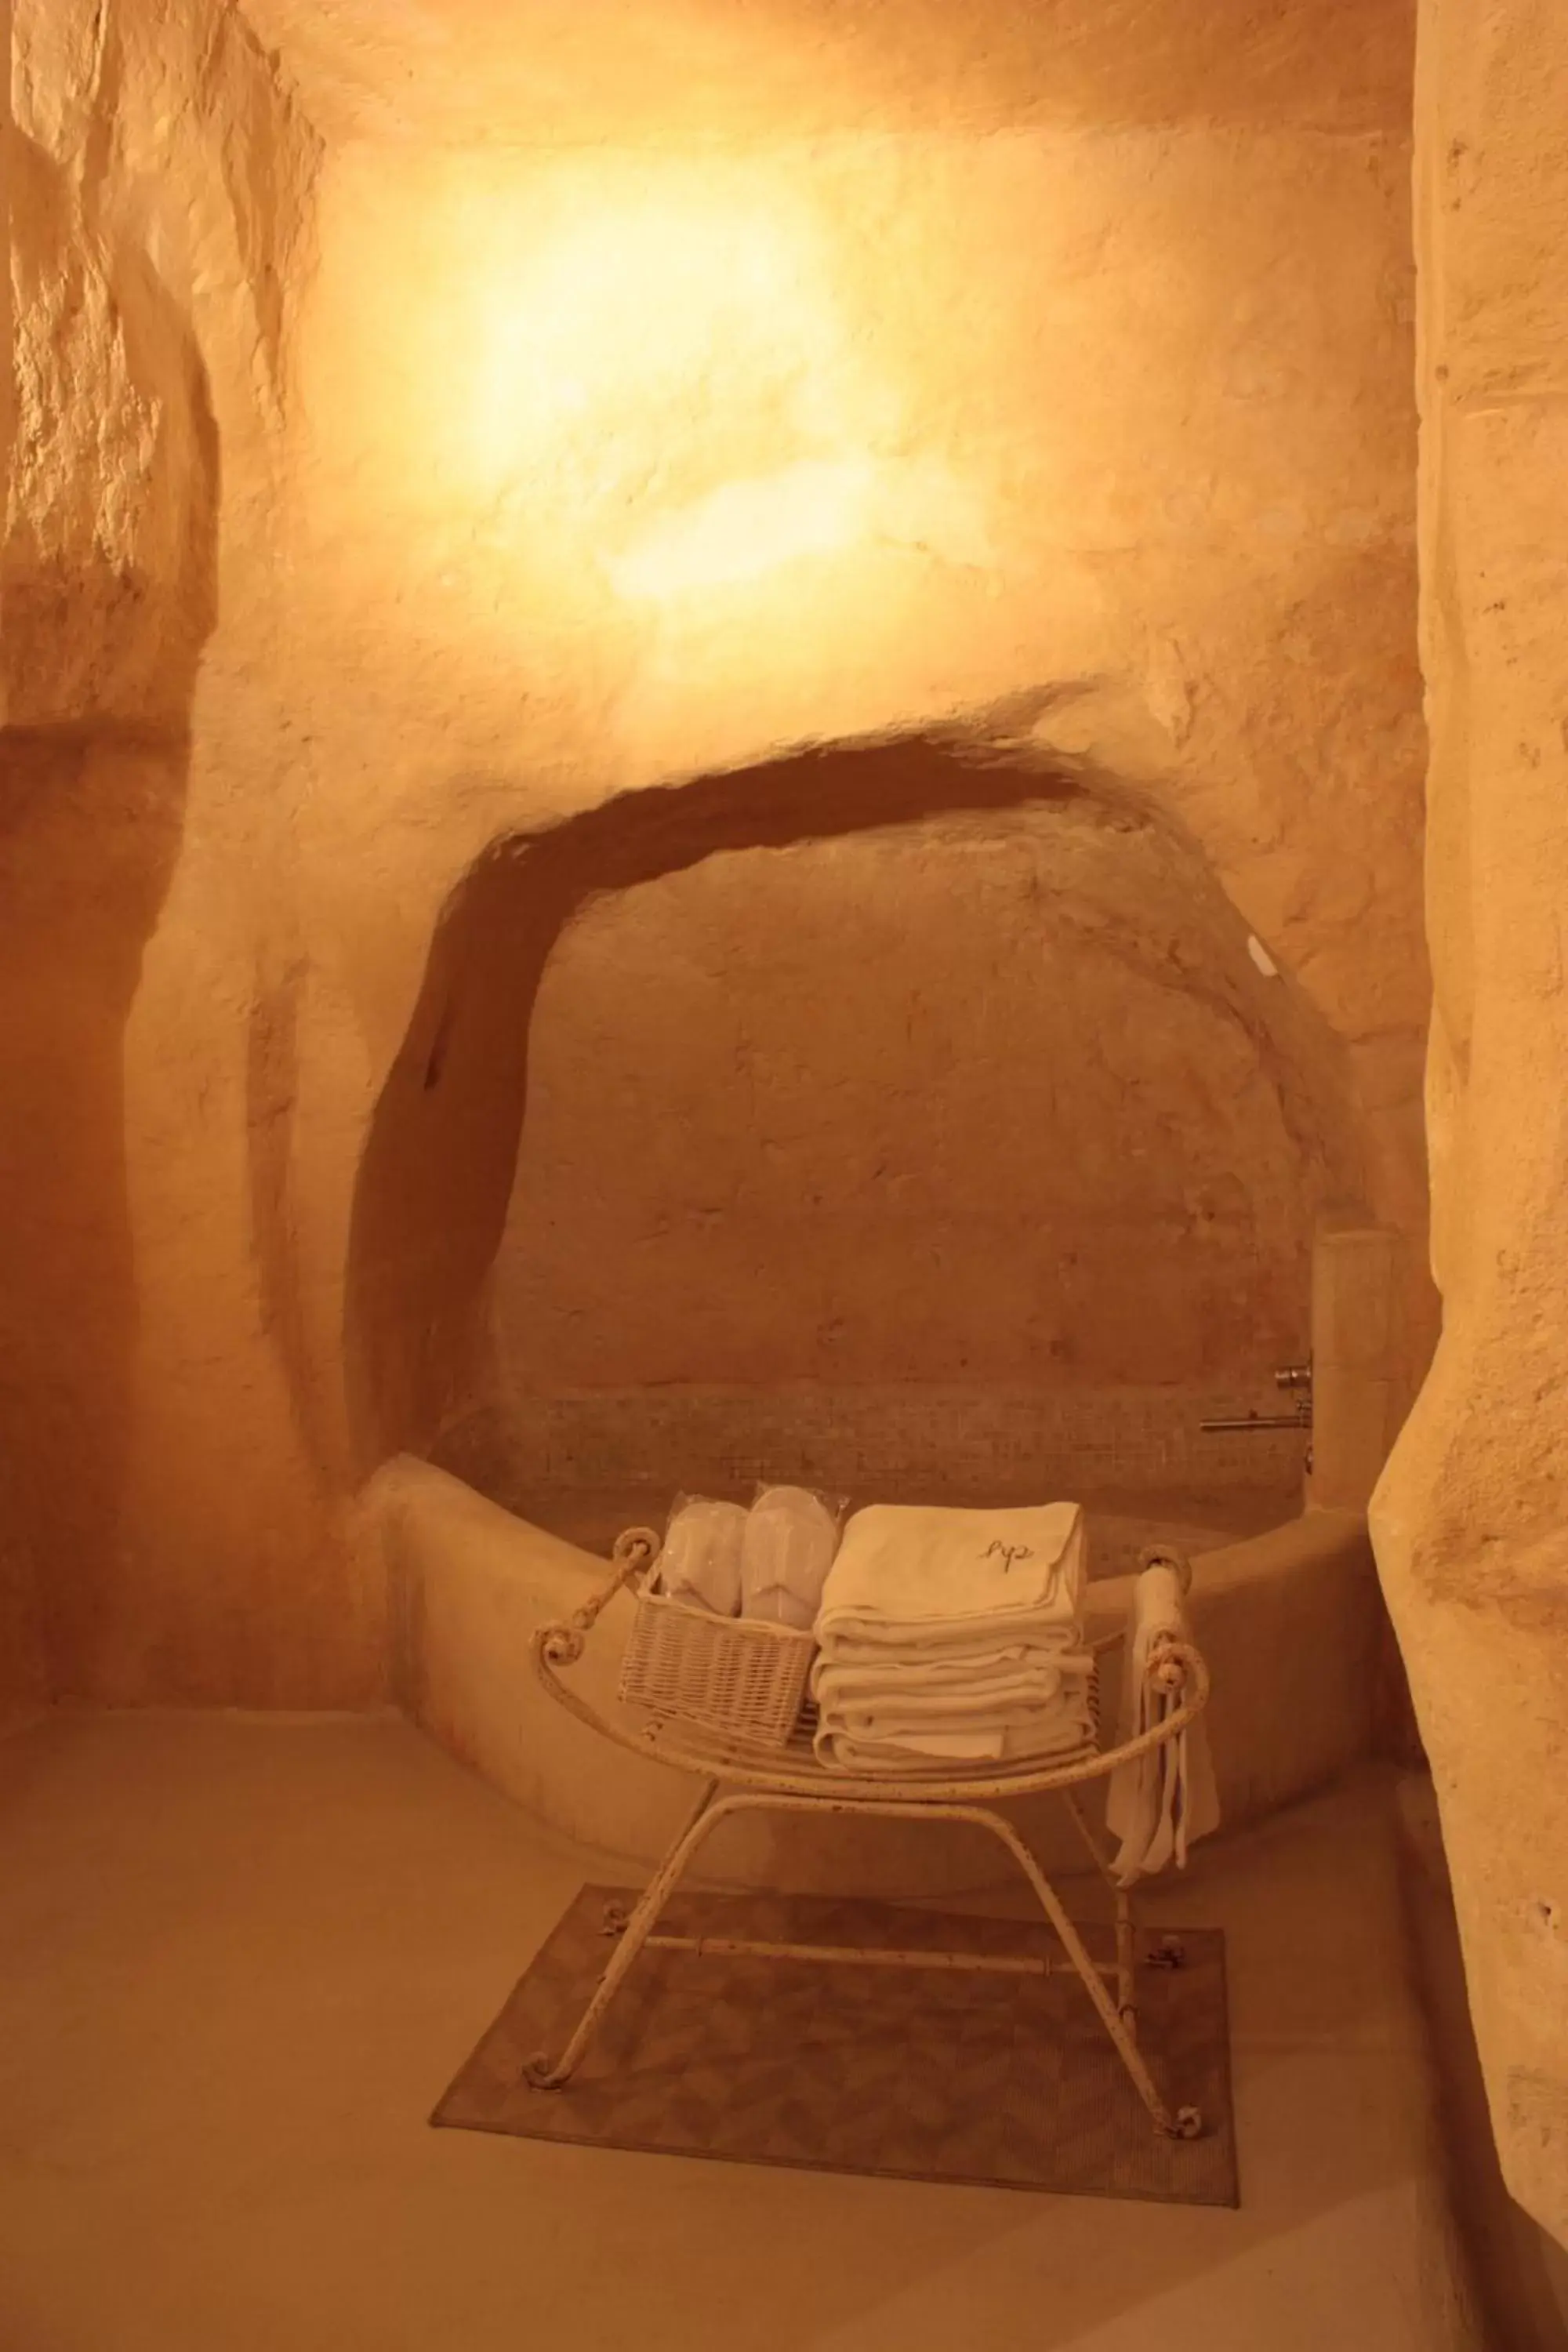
(792, 1780)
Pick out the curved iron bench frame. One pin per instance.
(792, 1781)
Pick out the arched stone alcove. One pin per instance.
(913, 945)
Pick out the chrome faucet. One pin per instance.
(1295, 1379)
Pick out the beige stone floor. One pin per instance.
(239, 1959)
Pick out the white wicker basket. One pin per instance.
(738, 1675)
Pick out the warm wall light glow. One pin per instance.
(679, 387)
(745, 529)
(622, 338)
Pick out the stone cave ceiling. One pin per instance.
(572, 72)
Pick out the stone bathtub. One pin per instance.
(1289, 1622)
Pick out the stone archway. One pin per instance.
(432, 1199)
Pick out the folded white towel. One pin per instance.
(932, 1693)
(1053, 1736)
(1158, 1804)
(885, 1719)
(951, 1638)
(935, 1642)
(945, 1579)
(851, 1673)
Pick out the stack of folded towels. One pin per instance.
(951, 1638)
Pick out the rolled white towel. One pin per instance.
(1159, 1803)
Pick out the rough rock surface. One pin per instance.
(474, 72)
(771, 375)
(155, 183)
(1471, 1520)
(882, 462)
(380, 556)
(995, 1100)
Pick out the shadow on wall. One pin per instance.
(436, 1181)
(108, 595)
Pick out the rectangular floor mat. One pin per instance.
(1002, 2080)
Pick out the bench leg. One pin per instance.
(701, 1821)
(1118, 2016)
(1126, 1982)
(1185, 2123)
